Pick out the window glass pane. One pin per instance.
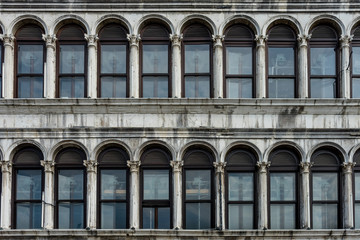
(325, 186)
(28, 215)
(30, 59)
(198, 215)
(71, 215)
(198, 183)
(72, 87)
(30, 87)
(325, 216)
(282, 186)
(155, 58)
(0, 83)
(113, 215)
(72, 58)
(28, 185)
(197, 87)
(281, 88)
(113, 184)
(71, 183)
(1, 60)
(155, 87)
(282, 216)
(239, 87)
(357, 215)
(241, 186)
(356, 87)
(113, 87)
(323, 88)
(357, 185)
(356, 60)
(164, 218)
(156, 184)
(239, 60)
(148, 218)
(241, 216)
(113, 58)
(197, 58)
(323, 61)
(281, 61)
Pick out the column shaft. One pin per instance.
(134, 194)
(6, 169)
(220, 197)
(176, 65)
(91, 205)
(8, 89)
(92, 65)
(305, 195)
(50, 73)
(134, 65)
(348, 204)
(262, 194)
(218, 66)
(303, 81)
(48, 222)
(345, 67)
(177, 200)
(260, 67)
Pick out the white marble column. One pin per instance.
(303, 80)
(134, 65)
(92, 65)
(48, 222)
(263, 195)
(305, 215)
(176, 65)
(345, 66)
(134, 194)
(260, 66)
(8, 78)
(6, 168)
(348, 201)
(50, 73)
(218, 66)
(91, 193)
(220, 196)
(177, 195)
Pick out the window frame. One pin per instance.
(356, 169)
(354, 43)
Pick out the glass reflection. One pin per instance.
(28, 185)
(357, 215)
(113, 87)
(72, 58)
(357, 185)
(197, 58)
(71, 215)
(282, 186)
(325, 186)
(71, 183)
(323, 88)
(155, 58)
(30, 87)
(162, 215)
(156, 184)
(30, 59)
(198, 184)
(323, 61)
(356, 87)
(113, 215)
(28, 215)
(281, 88)
(239, 60)
(239, 87)
(282, 216)
(281, 61)
(325, 216)
(155, 87)
(113, 184)
(241, 186)
(197, 87)
(113, 59)
(241, 216)
(198, 215)
(72, 87)
(356, 60)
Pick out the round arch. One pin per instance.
(154, 18)
(112, 18)
(139, 151)
(240, 144)
(66, 19)
(107, 143)
(325, 19)
(64, 144)
(240, 19)
(203, 144)
(352, 152)
(199, 19)
(11, 151)
(283, 19)
(331, 145)
(285, 144)
(26, 19)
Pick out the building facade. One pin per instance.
(180, 119)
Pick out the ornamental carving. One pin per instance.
(303, 40)
(218, 39)
(345, 40)
(48, 165)
(177, 166)
(263, 166)
(305, 167)
(90, 165)
(8, 40)
(260, 40)
(219, 167)
(50, 41)
(6, 166)
(176, 39)
(348, 167)
(134, 166)
(92, 40)
(134, 40)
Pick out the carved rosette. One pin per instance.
(8, 40)
(134, 40)
(177, 166)
(90, 165)
(345, 40)
(92, 40)
(263, 166)
(176, 40)
(50, 41)
(218, 39)
(261, 40)
(48, 165)
(6, 166)
(303, 40)
(219, 167)
(134, 166)
(305, 167)
(348, 167)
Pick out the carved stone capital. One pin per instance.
(303, 40)
(218, 39)
(48, 165)
(90, 165)
(177, 166)
(134, 40)
(50, 41)
(263, 166)
(8, 40)
(261, 40)
(219, 167)
(305, 167)
(348, 167)
(345, 40)
(6, 166)
(134, 166)
(176, 40)
(92, 40)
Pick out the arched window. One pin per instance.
(155, 67)
(156, 189)
(356, 160)
(30, 57)
(113, 72)
(241, 189)
(70, 190)
(326, 200)
(197, 62)
(239, 62)
(28, 188)
(113, 188)
(355, 80)
(1, 64)
(324, 69)
(198, 193)
(283, 174)
(281, 63)
(72, 62)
